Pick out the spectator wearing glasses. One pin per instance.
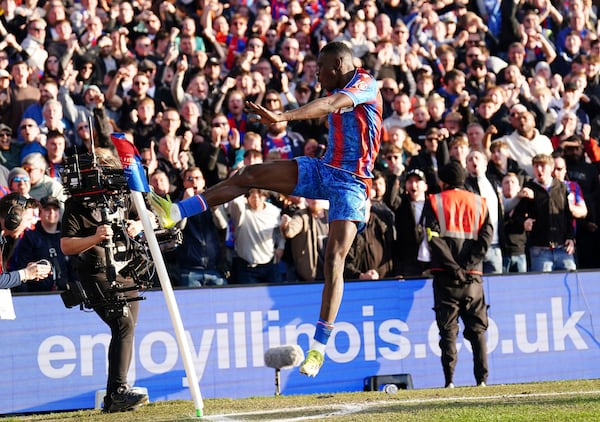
(394, 162)
(10, 150)
(127, 103)
(33, 44)
(216, 155)
(391, 168)
(400, 138)
(250, 56)
(83, 144)
(30, 133)
(42, 185)
(201, 257)
(478, 78)
(271, 46)
(170, 125)
(18, 181)
(389, 89)
(143, 49)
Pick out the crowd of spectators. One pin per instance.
(491, 84)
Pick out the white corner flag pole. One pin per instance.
(167, 289)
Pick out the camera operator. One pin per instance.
(91, 228)
(15, 216)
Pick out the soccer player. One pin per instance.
(343, 175)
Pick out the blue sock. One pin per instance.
(192, 206)
(323, 331)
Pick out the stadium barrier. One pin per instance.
(541, 329)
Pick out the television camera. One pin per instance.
(105, 189)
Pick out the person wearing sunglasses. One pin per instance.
(201, 260)
(10, 150)
(42, 185)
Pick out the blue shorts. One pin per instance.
(346, 192)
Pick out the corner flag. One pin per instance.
(131, 162)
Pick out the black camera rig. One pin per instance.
(83, 176)
(105, 188)
(140, 266)
(113, 302)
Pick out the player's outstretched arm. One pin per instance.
(320, 107)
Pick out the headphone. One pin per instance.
(13, 219)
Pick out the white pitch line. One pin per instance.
(351, 408)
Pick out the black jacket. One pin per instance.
(553, 219)
(408, 239)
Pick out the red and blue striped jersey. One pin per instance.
(354, 133)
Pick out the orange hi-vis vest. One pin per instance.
(461, 214)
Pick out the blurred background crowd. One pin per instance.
(508, 88)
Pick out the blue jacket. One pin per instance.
(38, 244)
(201, 248)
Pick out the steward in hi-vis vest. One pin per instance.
(459, 233)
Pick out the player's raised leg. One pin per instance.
(341, 236)
(280, 176)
